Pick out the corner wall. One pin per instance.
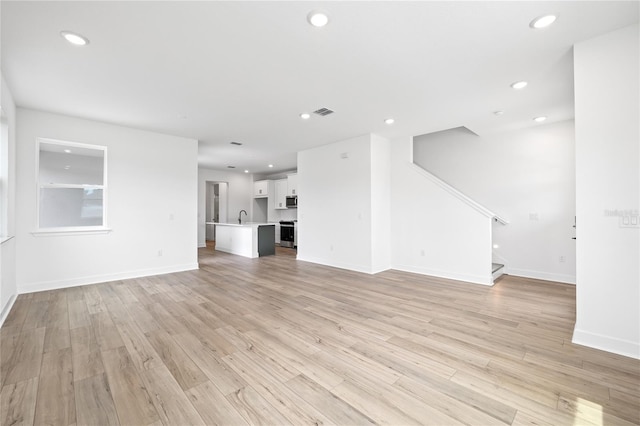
(8, 287)
(152, 202)
(433, 232)
(608, 192)
(343, 204)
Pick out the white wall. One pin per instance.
(380, 204)
(432, 231)
(335, 204)
(608, 185)
(8, 287)
(526, 176)
(239, 196)
(152, 199)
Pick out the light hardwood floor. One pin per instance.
(275, 341)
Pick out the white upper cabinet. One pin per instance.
(292, 184)
(261, 188)
(281, 194)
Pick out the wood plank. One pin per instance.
(78, 314)
(182, 368)
(171, 403)
(36, 316)
(57, 336)
(85, 353)
(107, 334)
(142, 353)
(94, 404)
(290, 405)
(223, 377)
(56, 398)
(254, 408)
(19, 312)
(26, 358)
(326, 402)
(130, 396)
(450, 406)
(212, 405)
(381, 411)
(18, 402)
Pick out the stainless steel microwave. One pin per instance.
(292, 201)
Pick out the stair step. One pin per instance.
(496, 266)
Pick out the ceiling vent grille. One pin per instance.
(323, 111)
(235, 143)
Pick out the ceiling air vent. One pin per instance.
(323, 111)
(236, 143)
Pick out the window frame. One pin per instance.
(71, 230)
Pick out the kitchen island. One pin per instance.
(246, 239)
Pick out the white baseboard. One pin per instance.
(95, 279)
(475, 279)
(546, 276)
(340, 265)
(7, 309)
(606, 343)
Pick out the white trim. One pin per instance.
(96, 279)
(340, 265)
(4, 239)
(71, 186)
(470, 278)
(606, 343)
(539, 275)
(64, 232)
(103, 187)
(5, 311)
(459, 195)
(69, 143)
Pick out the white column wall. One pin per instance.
(380, 204)
(607, 189)
(335, 204)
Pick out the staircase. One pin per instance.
(497, 270)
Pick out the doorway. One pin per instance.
(216, 206)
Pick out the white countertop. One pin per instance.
(242, 225)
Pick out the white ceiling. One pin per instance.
(244, 71)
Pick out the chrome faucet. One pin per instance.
(240, 216)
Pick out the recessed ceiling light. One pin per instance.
(389, 121)
(540, 119)
(519, 85)
(73, 38)
(318, 18)
(67, 167)
(499, 112)
(68, 151)
(542, 21)
(270, 166)
(305, 116)
(246, 171)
